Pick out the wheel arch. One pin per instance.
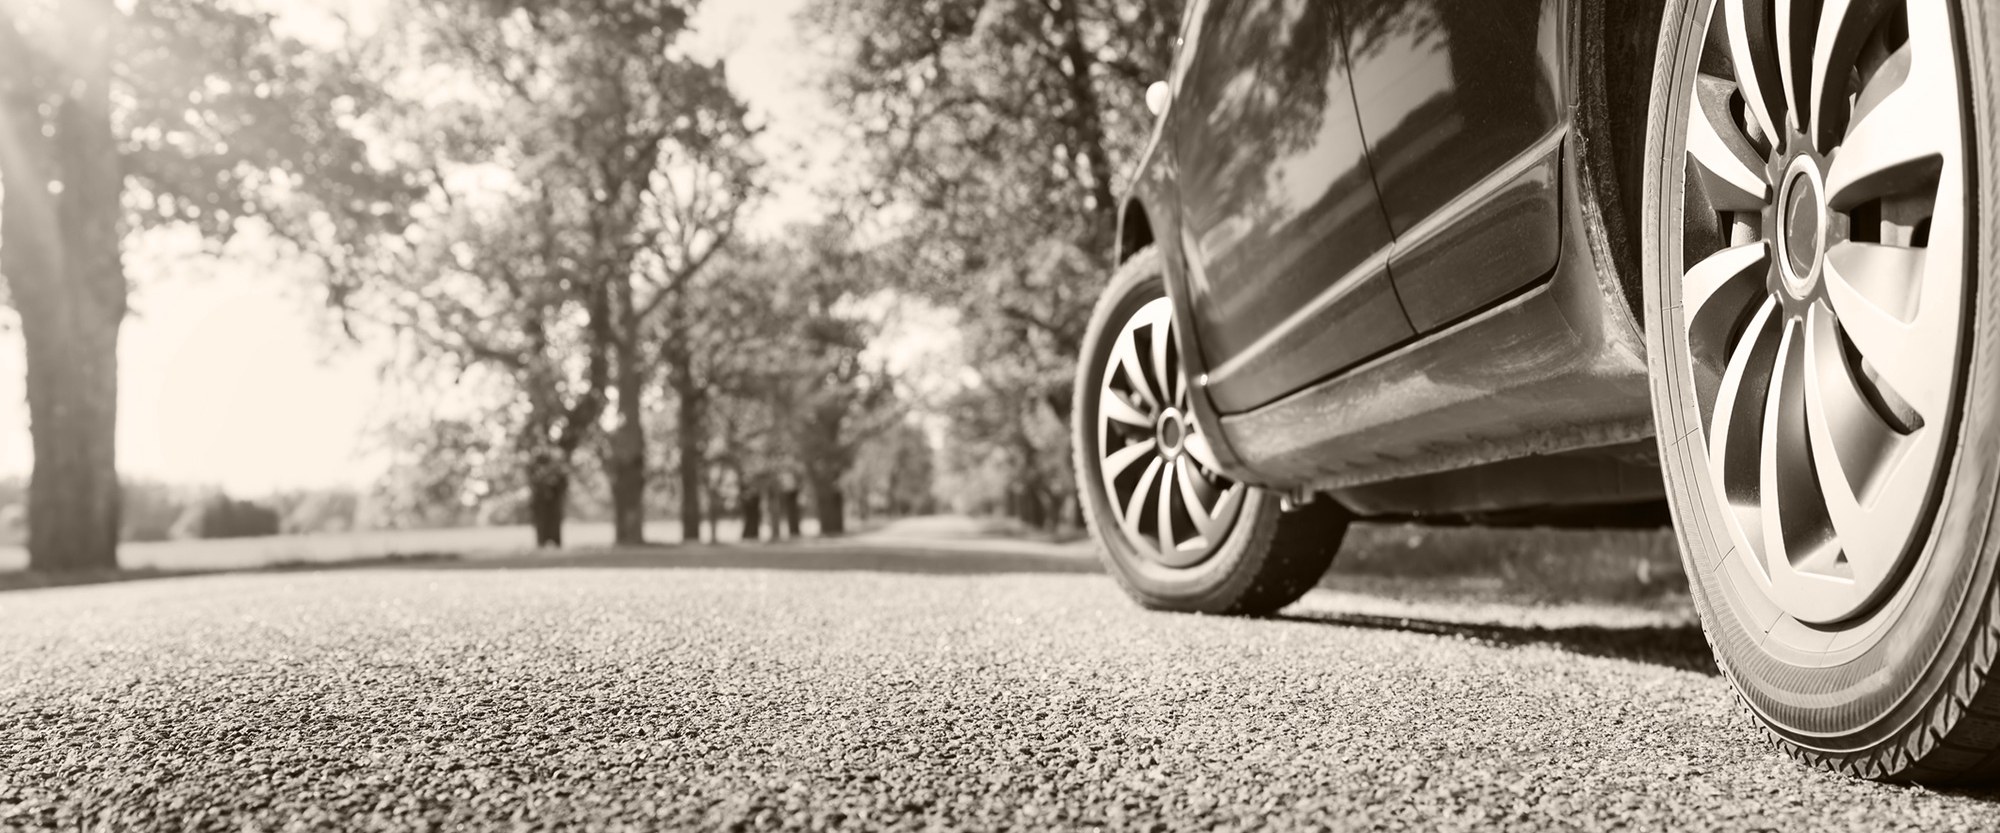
(1616, 45)
(1135, 229)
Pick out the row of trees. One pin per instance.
(573, 254)
(540, 202)
(158, 511)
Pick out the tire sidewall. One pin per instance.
(1204, 586)
(1858, 703)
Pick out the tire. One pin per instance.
(1263, 560)
(1864, 648)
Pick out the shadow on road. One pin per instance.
(940, 558)
(1674, 646)
(935, 558)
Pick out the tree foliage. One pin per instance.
(652, 143)
(581, 171)
(998, 136)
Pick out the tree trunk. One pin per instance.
(1031, 507)
(829, 506)
(794, 513)
(753, 515)
(548, 497)
(625, 461)
(714, 515)
(61, 257)
(687, 427)
(775, 501)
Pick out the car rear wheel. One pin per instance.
(1174, 531)
(1826, 367)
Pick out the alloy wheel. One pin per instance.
(1824, 312)
(1166, 492)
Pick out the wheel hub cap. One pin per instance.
(1823, 297)
(1170, 433)
(1803, 237)
(1165, 488)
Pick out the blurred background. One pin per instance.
(548, 272)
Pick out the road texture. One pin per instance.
(868, 686)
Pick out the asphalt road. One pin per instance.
(868, 686)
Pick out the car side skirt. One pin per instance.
(1557, 367)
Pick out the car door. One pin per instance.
(1285, 239)
(1458, 101)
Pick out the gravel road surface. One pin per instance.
(868, 686)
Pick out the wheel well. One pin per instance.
(1135, 230)
(1620, 41)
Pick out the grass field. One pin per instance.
(325, 548)
(1535, 567)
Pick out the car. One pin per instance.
(1467, 258)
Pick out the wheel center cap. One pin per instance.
(1171, 432)
(1802, 227)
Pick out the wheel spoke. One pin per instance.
(1892, 145)
(1728, 164)
(1163, 383)
(1128, 358)
(1226, 505)
(1889, 278)
(1843, 27)
(1118, 461)
(1852, 451)
(1858, 277)
(1196, 446)
(1721, 285)
(1750, 37)
(1736, 427)
(1797, 535)
(1167, 541)
(1136, 504)
(1191, 498)
(1116, 409)
(1714, 295)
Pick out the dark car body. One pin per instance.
(1399, 259)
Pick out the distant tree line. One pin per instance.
(156, 511)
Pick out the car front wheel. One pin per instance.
(1174, 531)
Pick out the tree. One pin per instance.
(657, 149)
(766, 363)
(493, 275)
(841, 399)
(623, 165)
(188, 109)
(490, 289)
(721, 338)
(60, 226)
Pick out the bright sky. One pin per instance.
(232, 375)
